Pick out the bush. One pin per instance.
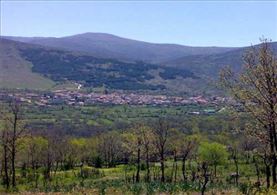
(88, 172)
(143, 167)
(244, 188)
(136, 188)
(98, 162)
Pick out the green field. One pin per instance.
(119, 117)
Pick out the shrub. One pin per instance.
(244, 188)
(98, 162)
(88, 172)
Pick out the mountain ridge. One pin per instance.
(106, 45)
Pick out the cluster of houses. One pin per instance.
(81, 98)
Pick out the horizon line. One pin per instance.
(134, 39)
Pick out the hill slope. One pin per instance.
(15, 72)
(110, 46)
(209, 65)
(40, 66)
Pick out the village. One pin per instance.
(70, 97)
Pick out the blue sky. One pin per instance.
(202, 23)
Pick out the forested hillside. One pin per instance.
(211, 64)
(95, 72)
(61, 66)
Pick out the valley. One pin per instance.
(138, 97)
(108, 115)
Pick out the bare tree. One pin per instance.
(256, 91)
(110, 147)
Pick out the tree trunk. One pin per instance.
(13, 152)
(267, 172)
(176, 169)
(237, 172)
(184, 169)
(36, 175)
(273, 153)
(147, 165)
(47, 171)
(235, 159)
(206, 178)
(257, 170)
(13, 167)
(23, 170)
(138, 165)
(272, 127)
(215, 171)
(274, 164)
(6, 179)
(162, 165)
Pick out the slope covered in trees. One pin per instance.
(48, 64)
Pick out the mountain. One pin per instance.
(110, 46)
(209, 65)
(29, 63)
(34, 66)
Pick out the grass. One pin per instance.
(114, 117)
(115, 181)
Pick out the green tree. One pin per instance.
(14, 129)
(161, 132)
(188, 146)
(213, 153)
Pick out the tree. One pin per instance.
(132, 143)
(204, 176)
(255, 89)
(213, 154)
(161, 133)
(75, 153)
(147, 142)
(4, 143)
(234, 154)
(94, 157)
(34, 148)
(175, 141)
(48, 157)
(247, 144)
(110, 147)
(136, 143)
(267, 162)
(188, 146)
(14, 129)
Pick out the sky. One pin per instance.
(194, 23)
